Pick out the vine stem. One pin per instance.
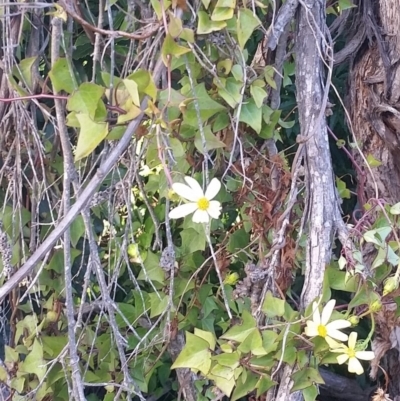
(221, 281)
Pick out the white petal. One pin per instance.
(184, 191)
(316, 315)
(337, 335)
(334, 345)
(342, 358)
(182, 210)
(213, 189)
(327, 312)
(195, 187)
(201, 216)
(311, 330)
(365, 355)
(338, 324)
(352, 340)
(355, 366)
(214, 210)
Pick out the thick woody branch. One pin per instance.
(321, 201)
(284, 17)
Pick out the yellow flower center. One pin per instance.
(322, 330)
(351, 353)
(203, 203)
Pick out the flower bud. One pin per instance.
(231, 278)
(375, 306)
(391, 284)
(52, 316)
(172, 195)
(354, 320)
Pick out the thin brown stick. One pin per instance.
(151, 31)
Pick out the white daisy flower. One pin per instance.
(349, 353)
(200, 203)
(319, 326)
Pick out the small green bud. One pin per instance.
(354, 320)
(376, 306)
(172, 195)
(52, 316)
(231, 278)
(391, 284)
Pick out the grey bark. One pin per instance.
(322, 207)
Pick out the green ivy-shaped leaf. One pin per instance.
(251, 115)
(223, 10)
(372, 161)
(395, 209)
(364, 296)
(206, 25)
(264, 384)
(224, 384)
(11, 219)
(145, 82)
(222, 371)
(158, 306)
(175, 27)
(252, 343)
(310, 393)
(86, 99)
(34, 362)
(239, 332)
(60, 76)
(171, 49)
(272, 306)
(245, 384)
(52, 346)
(271, 119)
(160, 8)
(269, 73)
(11, 355)
(77, 230)
(305, 378)
(133, 90)
(90, 136)
(337, 280)
(230, 92)
(207, 106)
(129, 313)
(289, 355)
(57, 260)
(212, 141)
(247, 22)
(152, 270)
(18, 383)
(24, 71)
(258, 94)
(344, 192)
(238, 240)
(195, 355)
(346, 4)
(230, 360)
(192, 241)
(207, 336)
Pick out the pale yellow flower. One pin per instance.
(319, 326)
(200, 203)
(349, 353)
